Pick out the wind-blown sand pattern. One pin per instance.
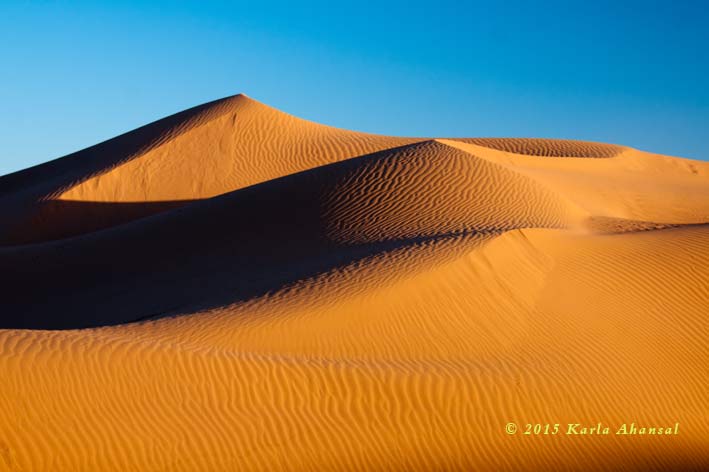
(233, 288)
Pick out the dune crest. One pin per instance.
(234, 288)
(196, 154)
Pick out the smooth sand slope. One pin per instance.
(233, 288)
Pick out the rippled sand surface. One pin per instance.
(234, 288)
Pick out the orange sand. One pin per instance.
(350, 301)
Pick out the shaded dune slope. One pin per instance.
(253, 241)
(350, 301)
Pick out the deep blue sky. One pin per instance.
(74, 73)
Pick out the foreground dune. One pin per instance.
(233, 288)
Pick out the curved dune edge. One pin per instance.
(315, 298)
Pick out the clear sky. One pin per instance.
(74, 73)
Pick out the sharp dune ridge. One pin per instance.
(235, 288)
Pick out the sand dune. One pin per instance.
(195, 154)
(233, 288)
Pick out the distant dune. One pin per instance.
(234, 288)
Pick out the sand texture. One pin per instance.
(234, 288)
